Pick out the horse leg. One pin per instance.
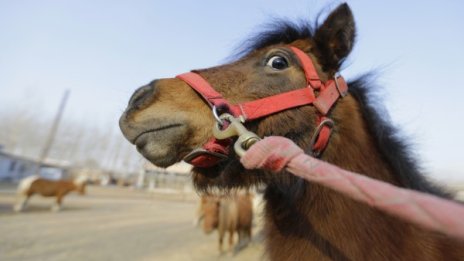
(57, 206)
(221, 237)
(248, 231)
(241, 238)
(231, 238)
(21, 203)
(199, 216)
(244, 236)
(197, 221)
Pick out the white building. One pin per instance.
(14, 168)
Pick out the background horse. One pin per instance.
(167, 120)
(228, 214)
(48, 188)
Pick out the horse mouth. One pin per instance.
(162, 145)
(154, 130)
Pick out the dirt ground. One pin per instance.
(110, 223)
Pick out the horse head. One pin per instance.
(80, 184)
(166, 119)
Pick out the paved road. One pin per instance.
(108, 224)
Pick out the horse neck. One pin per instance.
(353, 148)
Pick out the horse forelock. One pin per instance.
(278, 31)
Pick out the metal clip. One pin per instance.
(216, 116)
(342, 94)
(245, 139)
(326, 122)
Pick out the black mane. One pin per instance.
(394, 149)
(279, 31)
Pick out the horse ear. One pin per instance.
(335, 38)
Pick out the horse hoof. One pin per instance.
(56, 209)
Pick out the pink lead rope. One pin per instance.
(277, 153)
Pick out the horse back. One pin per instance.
(50, 188)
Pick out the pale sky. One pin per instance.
(103, 50)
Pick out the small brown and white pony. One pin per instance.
(48, 188)
(168, 120)
(231, 213)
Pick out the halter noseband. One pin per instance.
(329, 92)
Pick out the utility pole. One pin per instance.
(52, 133)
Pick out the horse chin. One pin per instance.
(204, 180)
(227, 176)
(161, 150)
(157, 156)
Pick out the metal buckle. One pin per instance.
(216, 116)
(326, 122)
(342, 94)
(200, 152)
(220, 121)
(245, 138)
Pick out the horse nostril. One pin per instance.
(142, 97)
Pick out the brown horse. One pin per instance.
(228, 214)
(47, 188)
(167, 120)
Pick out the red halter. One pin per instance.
(329, 92)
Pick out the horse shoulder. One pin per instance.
(25, 186)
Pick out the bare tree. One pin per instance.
(23, 132)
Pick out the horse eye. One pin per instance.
(277, 62)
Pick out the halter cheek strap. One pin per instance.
(329, 92)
